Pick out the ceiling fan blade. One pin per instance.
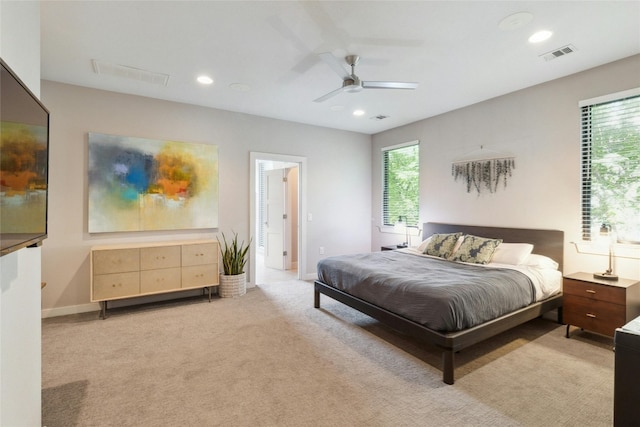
(335, 65)
(389, 85)
(329, 95)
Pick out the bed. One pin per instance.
(379, 293)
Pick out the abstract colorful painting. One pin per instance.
(23, 178)
(138, 184)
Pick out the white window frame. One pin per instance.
(382, 184)
(588, 244)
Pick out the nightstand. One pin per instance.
(597, 305)
(392, 247)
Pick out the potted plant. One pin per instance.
(234, 258)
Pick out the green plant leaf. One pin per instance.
(234, 254)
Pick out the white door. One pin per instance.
(275, 219)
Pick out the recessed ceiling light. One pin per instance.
(205, 80)
(358, 112)
(241, 87)
(540, 36)
(515, 21)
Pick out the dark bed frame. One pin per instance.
(546, 242)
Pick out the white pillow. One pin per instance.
(422, 246)
(540, 261)
(458, 244)
(512, 253)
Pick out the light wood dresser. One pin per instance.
(127, 271)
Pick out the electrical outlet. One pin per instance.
(321, 250)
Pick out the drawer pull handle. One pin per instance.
(591, 315)
(590, 291)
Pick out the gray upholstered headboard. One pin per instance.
(545, 242)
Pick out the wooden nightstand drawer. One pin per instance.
(599, 305)
(594, 291)
(597, 316)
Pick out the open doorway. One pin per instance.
(277, 210)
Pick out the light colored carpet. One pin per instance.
(269, 358)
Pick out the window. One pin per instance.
(611, 166)
(400, 189)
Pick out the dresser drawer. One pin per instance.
(200, 275)
(594, 291)
(198, 254)
(116, 261)
(597, 316)
(117, 285)
(164, 279)
(159, 257)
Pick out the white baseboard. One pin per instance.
(71, 309)
(310, 276)
(85, 308)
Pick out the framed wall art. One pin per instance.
(138, 184)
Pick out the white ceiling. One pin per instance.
(455, 50)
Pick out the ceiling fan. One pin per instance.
(351, 82)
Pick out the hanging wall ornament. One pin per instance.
(484, 170)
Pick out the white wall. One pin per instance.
(20, 331)
(540, 126)
(338, 178)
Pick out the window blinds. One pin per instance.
(610, 148)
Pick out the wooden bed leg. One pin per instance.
(447, 367)
(316, 299)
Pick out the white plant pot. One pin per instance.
(232, 286)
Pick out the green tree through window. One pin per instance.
(611, 168)
(401, 191)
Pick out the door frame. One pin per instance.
(254, 158)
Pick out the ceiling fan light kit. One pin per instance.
(351, 82)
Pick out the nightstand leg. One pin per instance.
(567, 333)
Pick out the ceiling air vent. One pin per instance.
(564, 50)
(379, 117)
(101, 67)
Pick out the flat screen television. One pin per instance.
(24, 164)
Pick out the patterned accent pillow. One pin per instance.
(441, 245)
(477, 250)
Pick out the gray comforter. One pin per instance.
(441, 295)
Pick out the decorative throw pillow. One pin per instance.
(441, 245)
(477, 250)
